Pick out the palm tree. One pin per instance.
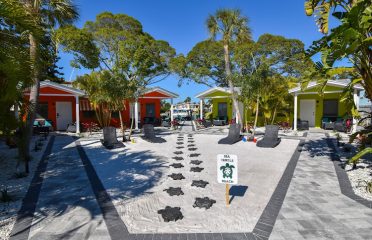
(232, 27)
(47, 14)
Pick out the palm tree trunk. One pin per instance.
(256, 117)
(131, 128)
(122, 126)
(274, 115)
(26, 134)
(231, 85)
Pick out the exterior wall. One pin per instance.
(51, 100)
(227, 100)
(342, 108)
(126, 113)
(142, 104)
(250, 117)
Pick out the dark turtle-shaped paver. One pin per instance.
(194, 155)
(179, 143)
(174, 191)
(193, 149)
(176, 176)
(180, 147)
(178, 158)
(196, 169)
(199, 183)
(171, 213)
(204, 202)
(190, 141)
(196, 162)
(178, 152)
(191, 145)
(189, 135)
(176, 165)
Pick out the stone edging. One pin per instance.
(342, 177)
(21, 229)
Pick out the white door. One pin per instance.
(64, 115)
(307, 111)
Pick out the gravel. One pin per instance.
(17, 187)
(362, 173)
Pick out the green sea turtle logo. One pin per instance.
(227, 170)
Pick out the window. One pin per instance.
(115, 114)
(150, 110)
(42, 110)
(330, 108)
(89, 114)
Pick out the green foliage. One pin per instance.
(266, 69)
(204, 64)
(165, 106)
(367, 185)
(80, 44)
(356, 158)
(350, 39)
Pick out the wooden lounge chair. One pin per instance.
(233, 136)
(270, 139)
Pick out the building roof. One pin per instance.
(163, 91)
(216, 89)
(342, 83)
(62, 87)
(75, 91)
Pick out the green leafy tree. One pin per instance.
(351, 39)
(204, 64)
(46, 14)
(232, 27)
(266, 69)
(117, 43)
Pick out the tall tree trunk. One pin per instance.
(274, 115)
(231, 85)
(26, 134)
(131, 128)
(122, 126)
(256, 117)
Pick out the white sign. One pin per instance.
(227, 168)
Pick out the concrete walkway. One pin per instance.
(314, 207)
(67, 207)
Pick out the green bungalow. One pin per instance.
(309, 105)
(318, 109)
(222, 107)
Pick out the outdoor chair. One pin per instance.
(206, 123)
(110, 140)
(302, 124)
(341, 124)
(233, 136)
(220, 121)
(270, 139)
(42, 127)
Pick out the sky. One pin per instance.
(182, 24)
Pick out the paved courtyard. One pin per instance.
(72, 203)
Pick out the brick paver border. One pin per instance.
(22, 226)
(342, 177)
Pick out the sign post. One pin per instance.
(227, 172)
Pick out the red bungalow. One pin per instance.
(63, 105)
